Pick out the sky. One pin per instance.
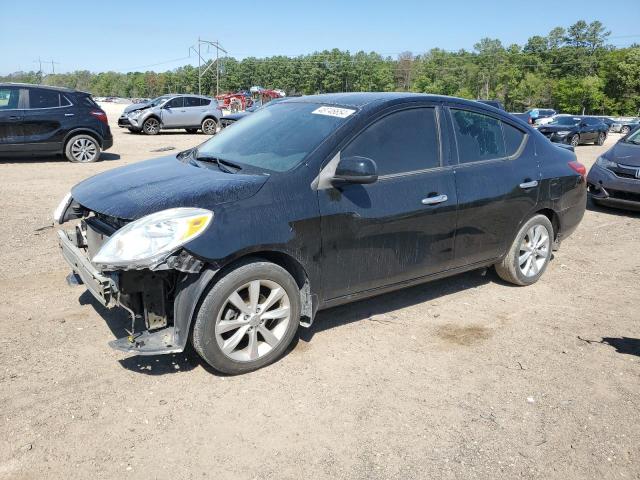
(156, 35)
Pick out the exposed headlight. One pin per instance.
(563, 133)
(149, 240)
(605, 163)
(58, 213)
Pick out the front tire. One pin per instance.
(575, 140)
(624, 130)
(601, 138)
(529, 254)
(248, 318)
(151, 126)
(209, 126)
(82, 149)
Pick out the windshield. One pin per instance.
(157, 101)
(565, 121)
(633, 138)
(276, 138)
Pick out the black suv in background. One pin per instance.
(36, 119)
(575, 130)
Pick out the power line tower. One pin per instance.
(201, 60)
(40, 72)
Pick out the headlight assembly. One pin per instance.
(135, 113)
(149, 240)
(563, 133)
(605, 163)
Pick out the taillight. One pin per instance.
(100, 115)
(578, 168)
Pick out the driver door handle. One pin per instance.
(434, 200)
(531, 184)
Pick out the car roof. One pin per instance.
(362, 100)
(46, 87)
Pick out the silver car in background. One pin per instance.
(174, 111)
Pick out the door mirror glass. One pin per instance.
(360, 170)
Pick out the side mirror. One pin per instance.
(359, 170)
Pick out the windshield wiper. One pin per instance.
(222, 164)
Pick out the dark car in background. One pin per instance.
(614, 180)
(311, 203)
(40, 120)
(575, 130)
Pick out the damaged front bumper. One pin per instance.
(607, 188)
(164, 301)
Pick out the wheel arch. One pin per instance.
(554, 218)
(82, 131)
(193, 288)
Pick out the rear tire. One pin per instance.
(230, 332)
(209, 126)
(601, 138)
(529, 254)
(82, 148)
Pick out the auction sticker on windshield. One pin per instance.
(334, 111)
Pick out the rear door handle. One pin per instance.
(531, 184)
(69, 114)
(434, 200)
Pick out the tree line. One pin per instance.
(574, 70)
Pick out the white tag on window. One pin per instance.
(334, 111)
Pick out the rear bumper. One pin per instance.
(107, 143)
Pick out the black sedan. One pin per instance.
(614, 179)
(315, 202)
(575, 130)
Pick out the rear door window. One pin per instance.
(9, 98)
(191, 102)
(204, 102)
(42, 98)
(401, 142)
(479, 137)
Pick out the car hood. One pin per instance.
(143, 188)
(555, 128)
(136, 106)
(624, 153)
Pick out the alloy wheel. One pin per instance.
(84, 150)
(534, 251)
(151, 126)
(209, 126)
(253, 320)
(575, 140)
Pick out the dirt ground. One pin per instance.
(465, 377)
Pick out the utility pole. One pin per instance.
(39, 62)
(201, 60)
